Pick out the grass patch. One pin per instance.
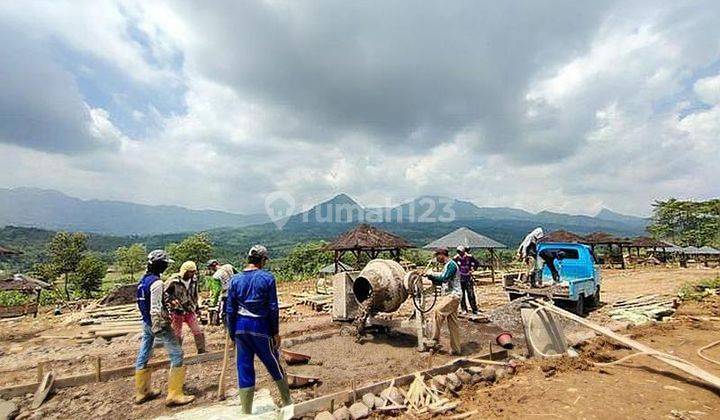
(699, 290)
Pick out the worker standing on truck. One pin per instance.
(446, 307)
(527, 253)
(181, 299)
(156, 323)
(253, 321)
(467, 263)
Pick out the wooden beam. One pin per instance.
(679, 364)
(338, 398)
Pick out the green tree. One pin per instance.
(66, 250)
(89, 275)
(131, 259)
(197, 248)
(46, 272)
(685, 222)
(304, 259)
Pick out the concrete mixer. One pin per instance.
(382, 287)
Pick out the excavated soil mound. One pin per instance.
(121, 295)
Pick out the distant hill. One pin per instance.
(50, 209)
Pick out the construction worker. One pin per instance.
(181, 300)
(219, 284)
(446, 307)
(467, 263)
(550, 257)
(253, 321)
(156, 323)
(527, 253)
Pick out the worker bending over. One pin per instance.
(218, 283)
(156, 323)
(181, 299)
(446, 307)
(467, 263)
(550, 257)
(253, 321)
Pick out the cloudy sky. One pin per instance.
(560, 105)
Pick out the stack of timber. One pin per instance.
(106, 323)
(643, 309)
(319, 301)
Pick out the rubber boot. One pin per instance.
(143, 387)
(284, 389)
(200, 343)
(176, 380)
(246, 398)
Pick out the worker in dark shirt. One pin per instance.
(467, 263)
(549, 257)
(253, 321)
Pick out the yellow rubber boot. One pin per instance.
(176, 379)
(143, 387)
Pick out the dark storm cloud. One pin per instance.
(40, 105)
(400, 72)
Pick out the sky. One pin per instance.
(560, 105)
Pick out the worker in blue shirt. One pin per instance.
(156, 324)
(253, 321)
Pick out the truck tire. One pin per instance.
(513, 296)
(594, 300)
(579, 308)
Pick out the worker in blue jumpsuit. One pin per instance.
(253, 321)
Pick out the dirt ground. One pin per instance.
(640, 388)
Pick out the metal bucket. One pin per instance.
(383, 281)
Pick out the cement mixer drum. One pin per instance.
(383, 281)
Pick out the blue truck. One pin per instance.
(579, 286)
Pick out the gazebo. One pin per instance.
(563, 236)
(644, 242)
(368, 240)
(469, 239)
(330, 268)
(5, 251)
(602, 238)
(22, 284)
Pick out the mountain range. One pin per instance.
(50, 209)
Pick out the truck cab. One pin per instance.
(579, 285)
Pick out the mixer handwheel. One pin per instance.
(424, 293)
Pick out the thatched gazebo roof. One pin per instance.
(708, 250)
(647, 242)
(562, 236)
(20, 283)
(364, 237)
(7, 251)
(465, 237)
(604, 238)
(367, 240)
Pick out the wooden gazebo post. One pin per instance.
(492, 264)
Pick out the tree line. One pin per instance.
(687, 222)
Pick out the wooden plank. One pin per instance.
(107, 375)
(683, 366)
(326, 402)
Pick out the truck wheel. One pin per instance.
(596, 298)
(580, 306)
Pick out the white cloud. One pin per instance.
(594, 111)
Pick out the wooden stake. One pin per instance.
(40, 371)
(98, 369)
(221, 381)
